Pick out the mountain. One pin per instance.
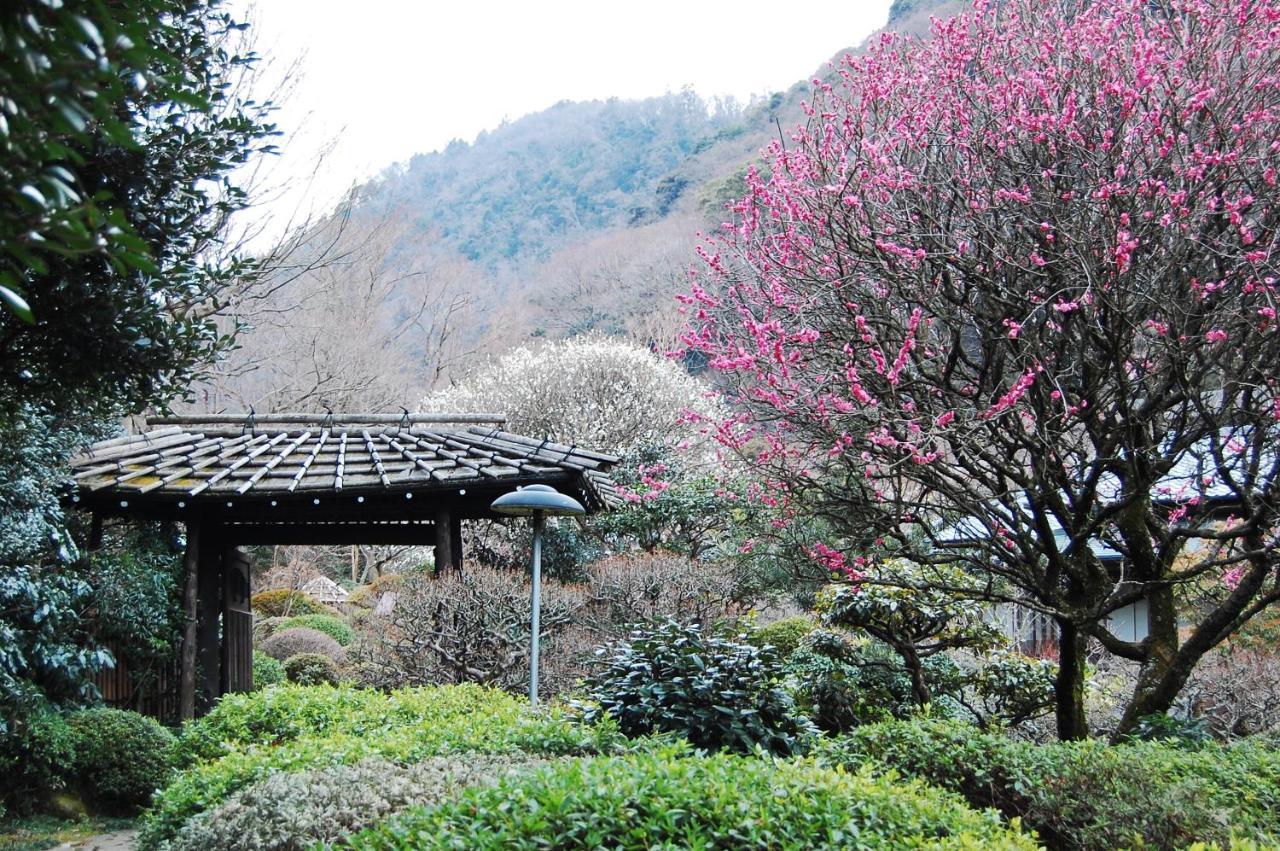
(578, 218)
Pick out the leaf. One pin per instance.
(18, 305)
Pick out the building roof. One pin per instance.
(202, 463)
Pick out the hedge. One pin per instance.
(1085, 794)
(301, 728)
(674, 800)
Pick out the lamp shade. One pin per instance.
(537, 499)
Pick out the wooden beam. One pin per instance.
(187, 678)
(414, 534)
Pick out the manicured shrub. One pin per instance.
(291, 642)
(282, 602)
(717, 692)
(36, 758)
(122, 757)
(288, 811)
(784, 636)
(294, 728)
(672, 800)
(266, 670)
(311, 669)
(1084, 794)
(333, 627)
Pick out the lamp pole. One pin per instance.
(535, 601)
(538, 502)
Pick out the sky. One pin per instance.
(382, 80)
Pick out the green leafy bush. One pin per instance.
(311, 669)
(716, 692)
(336, 629)
(36, 758)
(672, 800)
(122, 757)
(283, 603)
(292, 811)
(295, 728)
(1183, 732)
(291, 642)
(1084, 794)
(784, 636)
(266, 670)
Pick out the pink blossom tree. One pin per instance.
(1014, 287)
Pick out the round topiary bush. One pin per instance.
(291, 642)
(266, 670)
(672, 800)
(329, 625)
(122, 757)
(282, 602)
(311, 669)
(785, 635)
(719, 693)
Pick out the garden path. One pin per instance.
(123, 840)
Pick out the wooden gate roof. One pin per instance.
(361, 462)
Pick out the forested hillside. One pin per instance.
(575, 219)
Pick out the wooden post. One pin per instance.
(455, 542)
(187, 680)
(95, 533)
(209, 606)
(444, 540)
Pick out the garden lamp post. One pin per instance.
(538, 502)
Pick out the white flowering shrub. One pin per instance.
(601, 394)
(294, 811)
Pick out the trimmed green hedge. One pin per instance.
(122, 758)
(266, 670)
(336, 629)
(674, 800)
(1087, 794)
(300, 728)
(311, 669)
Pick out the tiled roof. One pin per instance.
(189, 461)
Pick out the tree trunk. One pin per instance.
(1153, 692)
(1069, 687)
(919, 688)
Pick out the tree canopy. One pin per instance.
(1008, 300)
(122, 125)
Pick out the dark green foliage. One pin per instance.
(43, 655)
(336, 629)
(784, 636)
(672, 800)
(120, 128)
(1084, 794)
(36, 758)
(282, 602)
(123, 130)
(1181, 732)
(136, 580)
(266, 671)
(121, 757)
(311, 669)
(719, 693)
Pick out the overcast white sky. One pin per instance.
(387, 79)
